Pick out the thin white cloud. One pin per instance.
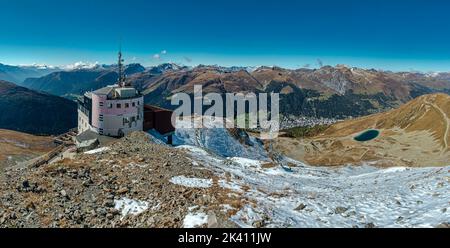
(157, 56)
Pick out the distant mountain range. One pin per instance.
(78, 81)
(336, 92)
(34, 112)
(331, 92)
(18, 74)
(339, 80)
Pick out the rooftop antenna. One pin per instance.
(120, 64)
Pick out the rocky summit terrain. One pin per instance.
(110, 188)
(139, 182)
(416, 134)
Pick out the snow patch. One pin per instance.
(192, 208)
(256, 165)
(133, 164)
(130, 207)
(246, 217)
(193, 220)
(247, 162)
(394, 169)
(99, 150)
(226, 208)
(191, 182)
(230, 185)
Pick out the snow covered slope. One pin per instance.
(219, 141)
(328, 197)
(288, 193)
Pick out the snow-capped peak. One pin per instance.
(39, 66)
(82, 65)
(433, 74)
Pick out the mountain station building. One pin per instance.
(111, 111)
(118, 110)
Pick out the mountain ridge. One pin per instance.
(78, 81)
(329, 92)
(28, 111)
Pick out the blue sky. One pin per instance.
(395, 35)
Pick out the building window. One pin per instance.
(127, 105)
(119, 105)
(133, 104)
(139, 103)
(100, 118)
(101, 104)
(110, 105)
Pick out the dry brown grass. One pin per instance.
(17, 145)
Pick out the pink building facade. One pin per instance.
(112, 111)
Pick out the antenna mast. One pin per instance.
(121, 72)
